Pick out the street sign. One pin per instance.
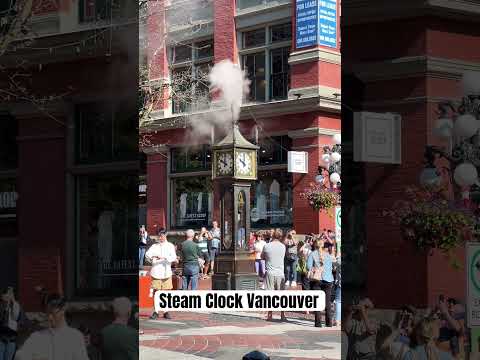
(377, 138)
(298, 162)
(473, 284)
(316, 23)
(338, 224)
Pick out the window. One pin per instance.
(104, 132)
(102, 10)
(107, 235)
(190, 66)
(192, 202)
(274, 150)
(271, 200)
(195, 158)
(254, 38)
(245, 4)
(267, 68)
(8, 143)
(254, 65)
(279, 73)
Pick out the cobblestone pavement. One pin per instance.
(202, 336)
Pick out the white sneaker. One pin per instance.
(287, 284)
(262, 286)
(294, 284)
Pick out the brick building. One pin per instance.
(406, 57)
(66, 219)
(293, 104)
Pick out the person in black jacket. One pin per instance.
(11, 316)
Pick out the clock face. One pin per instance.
(224, 164)
(244, 163)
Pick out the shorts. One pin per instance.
(213, 253)
(273, 282)
(162, 284)
(205, 256)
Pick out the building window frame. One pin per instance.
(192, 64)
(267, 49)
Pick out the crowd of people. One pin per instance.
(281, 261)
(435, 334)
(57, 339)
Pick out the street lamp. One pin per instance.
(331, 157)
(460, 125)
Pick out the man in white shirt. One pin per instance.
(58, 341)
(161, 255)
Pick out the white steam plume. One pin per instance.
(229, 83)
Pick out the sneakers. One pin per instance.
(154, 316)
(262, 286)
(293, 284)
(167, 316)
(287, 284)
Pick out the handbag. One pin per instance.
(316, 272)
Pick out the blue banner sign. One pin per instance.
(316, 23)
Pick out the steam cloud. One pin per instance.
(229, 86)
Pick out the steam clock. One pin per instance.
(234, 170)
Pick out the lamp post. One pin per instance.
(458, 124)
(331, 158)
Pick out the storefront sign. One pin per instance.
(8, 204)
(316, 23)
(298, 162)
(473, 284)
(377, 137)
(194, 217)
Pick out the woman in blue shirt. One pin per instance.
(318, 258)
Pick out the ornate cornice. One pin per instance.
(264, 110)
(312, 132)
(370, 11)
(414, 66)
(313, 55)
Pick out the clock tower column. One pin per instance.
(234, 170)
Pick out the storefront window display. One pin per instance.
(271, 200)
(8, 232)
(107, 234)
(192, 201)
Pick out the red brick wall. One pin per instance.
(157, 195)
(224, 30)
(41, 185)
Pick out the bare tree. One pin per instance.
(187, 88)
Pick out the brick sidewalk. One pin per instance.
(198, 336)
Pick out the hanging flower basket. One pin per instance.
(321, 198)
(432, 222)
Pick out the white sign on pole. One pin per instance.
(298, 162)
(338, 224)
(377, 138)
(473, 284)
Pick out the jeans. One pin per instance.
(305, 282)
(327, 288)
(338, 303)
(291, 270)
(190, 276)
(141, 256)
(7, 350)
(260, 267)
